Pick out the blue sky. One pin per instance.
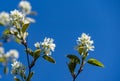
(65, 20)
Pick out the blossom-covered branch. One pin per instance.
(16, 24)
(84, 45)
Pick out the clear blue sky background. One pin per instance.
(65, 20)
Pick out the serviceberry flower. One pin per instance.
(12, 54)
(4, 18)
(25, 7)
(37, 45)
(86, 42)
(48, 45)
(17, 68)
(16, 15)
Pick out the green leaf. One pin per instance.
(2, 59)
(24, 27)
(16, 79)
(6, 70)
(74, 58)
(30, 76)
(95, 62)
(37, 54)
(72, 66)
(49, 58)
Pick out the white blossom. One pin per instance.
(1, 50)
(85, 40)
(4, 18)
(16, 15)
(25, 6)
(28, 20)
(48, 45)
(25, 21)
(12, 54)
(31, 20)
(17, 67)
(37, 45)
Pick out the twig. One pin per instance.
(80, 70)
(28, 59)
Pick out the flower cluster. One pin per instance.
(7, 58)
(17, 23)
(16, 15)
(84, 45)
(85, 42)
(47, 46)
(17, 68)
(15, 20)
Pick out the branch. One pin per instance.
(80, 70)
(28, 59)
